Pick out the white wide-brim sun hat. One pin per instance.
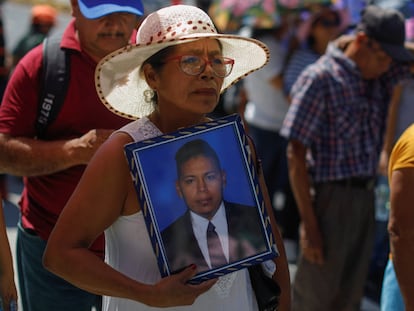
(118, 81)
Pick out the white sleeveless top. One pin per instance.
(129, 250)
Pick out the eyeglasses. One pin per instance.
(194, 65)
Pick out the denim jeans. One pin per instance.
(41, 290)
(391, 298)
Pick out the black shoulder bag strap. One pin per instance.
(56, 75)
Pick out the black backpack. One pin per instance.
(55, 81)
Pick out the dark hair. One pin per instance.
(260, 32)
(192, 149)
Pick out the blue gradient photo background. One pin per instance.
(157, 163)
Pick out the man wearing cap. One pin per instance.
(335, 126)
(43, 19)
(52, 166)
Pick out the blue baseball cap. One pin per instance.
(97, 8)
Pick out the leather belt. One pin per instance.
(356, 182)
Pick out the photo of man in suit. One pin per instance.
(213, 232)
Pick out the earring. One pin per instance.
(148, 96)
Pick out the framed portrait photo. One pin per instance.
(199, 193)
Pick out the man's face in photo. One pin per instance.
(201, 185)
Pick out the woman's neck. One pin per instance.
(166, 123)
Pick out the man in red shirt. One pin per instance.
(52, 166)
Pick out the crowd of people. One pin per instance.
(326, 109)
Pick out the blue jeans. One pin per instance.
(41, 290)
(391, 298)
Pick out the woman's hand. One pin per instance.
(176, 291)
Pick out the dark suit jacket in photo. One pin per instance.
(246, 238)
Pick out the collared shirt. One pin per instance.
(339, 116)
(200, 231)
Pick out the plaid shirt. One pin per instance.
(4, 72)
(339, 116)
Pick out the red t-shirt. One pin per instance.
(44, 197)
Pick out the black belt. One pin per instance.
(356, 182)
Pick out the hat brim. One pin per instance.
(397, 53)
(121, 88)
(108, 8)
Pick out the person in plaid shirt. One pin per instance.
(335, 127)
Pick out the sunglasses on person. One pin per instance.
(193, 65)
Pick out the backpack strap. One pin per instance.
(55, 81)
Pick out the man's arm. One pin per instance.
(23, 156)
(401, 231)
(310, 236)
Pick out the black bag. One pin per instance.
(56, 76)
(267, 291)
